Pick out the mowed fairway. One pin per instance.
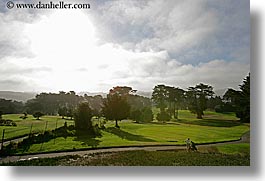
(24, 126)
(215, 127)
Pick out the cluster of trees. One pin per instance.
(10, 106)
(50, 103)
(197, 98)
(170, 99)
(238, 101)
(122, 103)
(201, 97)
(62, 103)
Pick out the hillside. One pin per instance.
(18, 96)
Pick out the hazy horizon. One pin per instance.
(116, 43)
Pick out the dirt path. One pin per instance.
(244, 139)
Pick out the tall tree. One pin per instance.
(197, 97)
(62, 111)
(115, 107)
(245, 100)
(121, 90)
(159, 96)
(82, 118)
(175, 97)
(240, 100)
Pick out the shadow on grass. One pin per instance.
(166, 123)
(211, 122)
(88, 140)
(128, 136)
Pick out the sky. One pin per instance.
(137, 43)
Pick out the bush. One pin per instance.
(37, 115)
(82, 119)
(23, 117)
(147, 115)
(136, 115)
(7, 122)
(163, 117)
(144, 115)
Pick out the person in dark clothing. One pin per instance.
(193, 146)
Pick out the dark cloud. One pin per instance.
(191, 31)
(11, 84)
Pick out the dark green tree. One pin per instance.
(62, 111)
(1, 113)
(175, 97)
(147, 114)
(115, 107)
(70, 113)
(136, 115)
(11, 106)
(37, 115)
(240, 100)
(197, 98)
(163, 116)
(159, 97)
(213, 102)
(244, 114)
(82, 118)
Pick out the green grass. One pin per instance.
(141, 158)
(215, 127)
(240, 148)
(145, 134)
(23, 126)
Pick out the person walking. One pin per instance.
(188, 144)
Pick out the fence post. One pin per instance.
(55, 130)
(3, 137)
(46, 126)
(30, 129)
(43, 135)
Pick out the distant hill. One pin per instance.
(24, 96)
(103, 94)
(18, 96)
(92, 94)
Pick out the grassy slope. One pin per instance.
(23, 126)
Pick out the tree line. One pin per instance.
(122, 102)
(201, 97)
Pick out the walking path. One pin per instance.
(244, 138)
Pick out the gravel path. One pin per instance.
(244, 139)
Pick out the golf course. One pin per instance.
(214, 128)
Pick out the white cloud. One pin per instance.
(186, 29)
(134, 43)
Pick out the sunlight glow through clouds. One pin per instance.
(65, 41)
(97, 49)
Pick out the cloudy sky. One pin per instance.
(134, 43)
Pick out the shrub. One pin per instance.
(37, 115)
(163, 116)
(7, 122)
(82, 119)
